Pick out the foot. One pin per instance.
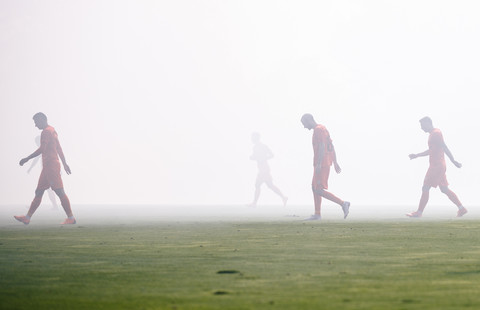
(22, 218)
(461, 212)
(285, 199)
(69, 221)
(414, 214)
(346, 208)
(315, 217)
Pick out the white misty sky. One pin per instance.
(155, 101)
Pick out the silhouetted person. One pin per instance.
(50, 192)
(323, 157)
(436, 171)
(50, 150)
(261, 154)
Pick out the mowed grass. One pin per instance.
(402, 264)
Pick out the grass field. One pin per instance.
(282, 264)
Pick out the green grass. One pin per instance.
(400, 264)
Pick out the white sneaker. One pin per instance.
(346, 208)
(315, 217)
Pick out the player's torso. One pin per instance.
(49, 139)
(322, 136)
(435, 147)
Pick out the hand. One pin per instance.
(23, 161)
(412, 156)
(337, 167)
(67, 169)
(457, 164)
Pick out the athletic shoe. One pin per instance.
(315, 217)
(461, 212)
(22, 218)
(69, 221)
(414, 214)
(346, 208)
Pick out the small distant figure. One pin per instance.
(323, 157)
(261, 154)
(436, 171)
(50, 192)
(50, 150)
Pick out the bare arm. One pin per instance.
(33, 155)
(62, 158)
(335, 163)
(450, 156)
(413, 156)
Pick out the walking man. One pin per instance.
(436, 171)
(323, 157)
(50, 150)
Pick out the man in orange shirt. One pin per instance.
(436, 171)
(323, 157)
(50, 150)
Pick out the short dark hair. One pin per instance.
(41, 116)
(307, 116)
(427, 120)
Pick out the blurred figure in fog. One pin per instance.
(50, 192)
(436, 173)
(323, 157)
(50, 150)
(261, 154)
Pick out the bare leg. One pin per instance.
(332, 197)
(256, 195)
(65, 201)
(35, 203)
(452, 196)
(277, 191)
(424, 199)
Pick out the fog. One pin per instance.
(155, 101)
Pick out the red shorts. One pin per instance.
(436, 176)
(321, 179)
(50, 177)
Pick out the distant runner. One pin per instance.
(436, 171)
(261, 154)
(50, 150)
(323, 157)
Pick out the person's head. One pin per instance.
(40, 120)
(426, 124)
(255, 137)
(308, 121)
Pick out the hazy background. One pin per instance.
(155, 101)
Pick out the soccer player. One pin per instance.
(323, 157)
(436, 171)
(50, 150)
(261, 154)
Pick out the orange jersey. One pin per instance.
(435, 148)
(321, 136)
(49, 145)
